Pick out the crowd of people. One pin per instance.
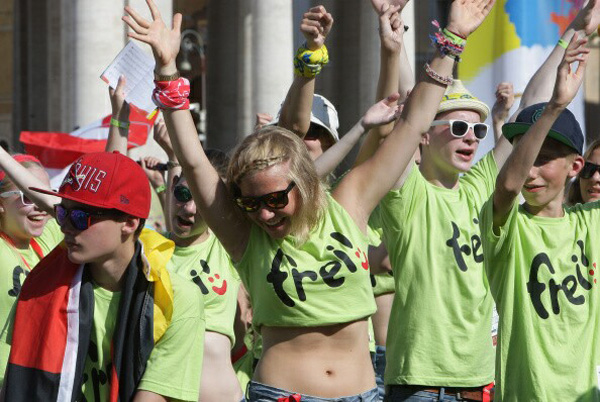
(276, 280)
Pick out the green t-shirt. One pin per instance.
(324, 281)
(175, 364)
(208, 266)
(440, 323)
(543, 275)
(12, 275)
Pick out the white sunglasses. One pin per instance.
(460, 128)
(24, 200)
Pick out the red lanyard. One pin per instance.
(32, 243)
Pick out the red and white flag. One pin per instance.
(57, 151)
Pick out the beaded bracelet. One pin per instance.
(448, 43)
(308, 63)
(436, 77)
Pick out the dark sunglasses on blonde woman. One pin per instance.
(275, 200)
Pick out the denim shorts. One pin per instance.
(408, 394)
(258, 392)
(379, 366)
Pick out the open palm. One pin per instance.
(164, 41)
(466, 15)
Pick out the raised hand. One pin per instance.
(378, 4)
(262, 119)
(466, 15)
(588, 18)
(315, 26)
(505, 98)
(391, 28)
(120, 108)
(568, 81)
(164, 41)
(383, 112)
(155, 177)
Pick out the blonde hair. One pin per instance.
(574, 193)
(273, 145)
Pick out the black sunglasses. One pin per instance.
(182, 193)
(588, 170)
(79, 218)
(275, 200)
(460, 128)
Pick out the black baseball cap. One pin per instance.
(566, 128)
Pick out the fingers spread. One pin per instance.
(141, 21)
(153, 10)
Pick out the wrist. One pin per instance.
(168, 69)
(555, 108)
(122, 124)
(159, 188)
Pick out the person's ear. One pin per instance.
(131, 224)
(576, 166)
(425, 138)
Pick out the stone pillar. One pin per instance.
(62, 47)
(97, 34)
(272, 37)
(222, 72)
(246, 112)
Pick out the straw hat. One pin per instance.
(457, 97)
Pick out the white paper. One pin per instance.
(138, 68)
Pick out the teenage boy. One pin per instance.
(541, 258)
(101, 318)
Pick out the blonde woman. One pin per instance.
(300, 252)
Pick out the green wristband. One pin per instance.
(563, 43)
(117, 123)
(160, 189)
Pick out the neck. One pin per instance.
(190, 241)
(17, 241)
(554, 209)
(437, 176)
(109, 273)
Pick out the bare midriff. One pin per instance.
(329, 361)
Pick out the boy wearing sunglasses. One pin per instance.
(439, 338)
(541, 258)
(101, 317)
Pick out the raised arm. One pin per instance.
(362, 189)
(23, 179)
(395, 73)
(210, 193)
(161, 136)
(381, 113)
(505, 98)
(118, 131)
(539, 88)
(295, 111)
(515, 172)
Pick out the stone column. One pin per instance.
(222, 72)
(272, 37)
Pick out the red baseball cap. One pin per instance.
(106, 180)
